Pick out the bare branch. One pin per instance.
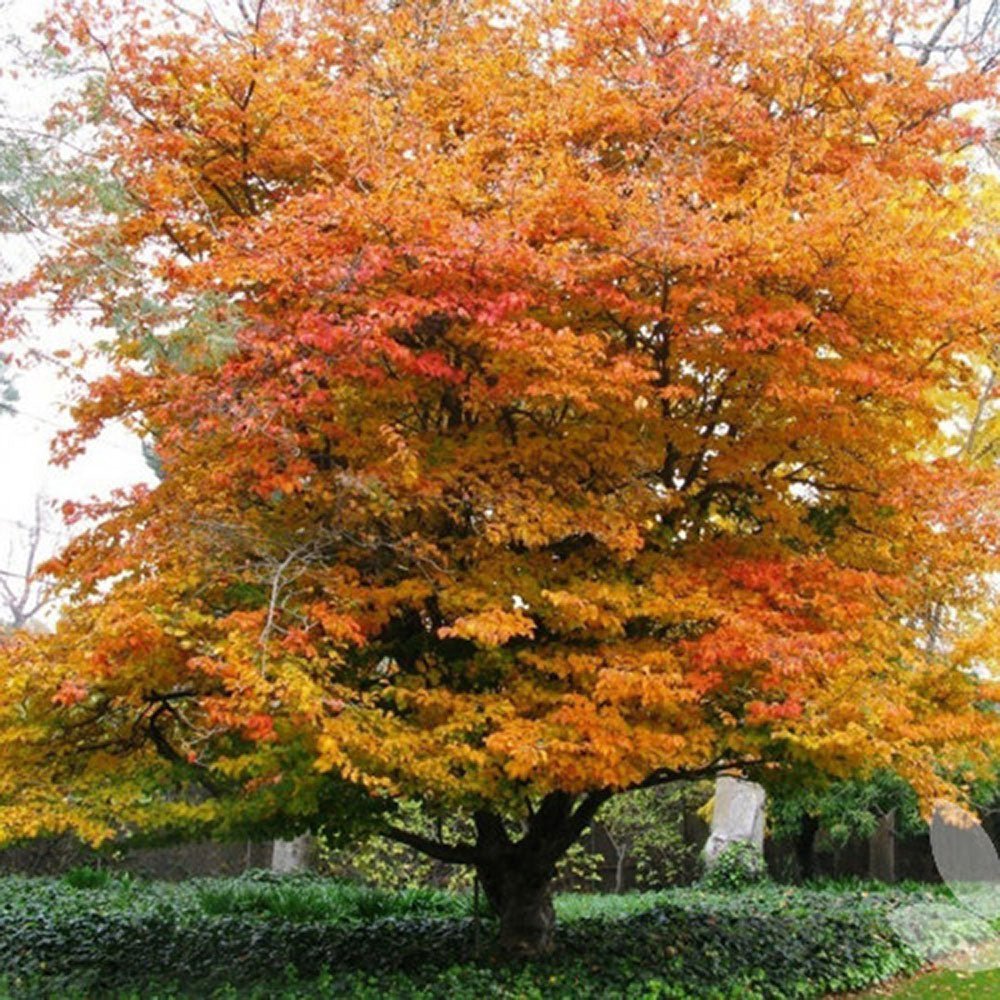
(927, 50)
(23, 595)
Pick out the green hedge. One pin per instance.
(765, 942)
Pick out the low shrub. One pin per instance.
(90, 878)
(737, 866)
(167, 941)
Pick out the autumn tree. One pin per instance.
(550, 402)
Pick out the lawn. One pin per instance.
(951, 983)
(977, 978)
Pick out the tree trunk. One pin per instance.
(805, 846)
(620, 857)
(516, 875)
(620, 853)
(882, 849)
(521, 897)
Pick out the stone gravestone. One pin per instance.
(737, 815)
(291, 856)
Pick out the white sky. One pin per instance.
(115, 459)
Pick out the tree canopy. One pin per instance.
(549, 401)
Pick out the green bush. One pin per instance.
(737, 866)
(303, 899)
(90, 878)
(155, 940)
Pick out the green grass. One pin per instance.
(949, 983)
(975, 975)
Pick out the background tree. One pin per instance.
(842, 811)
(8, 394)
(547, 404)
(644, 832)
(23, 594)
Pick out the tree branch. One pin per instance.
(451, 854)
(665, 776)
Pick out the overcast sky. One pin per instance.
(113, 460)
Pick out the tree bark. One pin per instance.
(620, 851)
(516, 876)
(882, 849)
(521, 896)
(620, 855)
(805, 846)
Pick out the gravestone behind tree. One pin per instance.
(290, 856)
(737, 815)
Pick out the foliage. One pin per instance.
(644, 829)
(314, 900)
(386, 864)
(128, 935)
(8, 394)
(86, 877)
(548, 402)
(845, 809)
(19, 170)
(256, 893)
(737, 866)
